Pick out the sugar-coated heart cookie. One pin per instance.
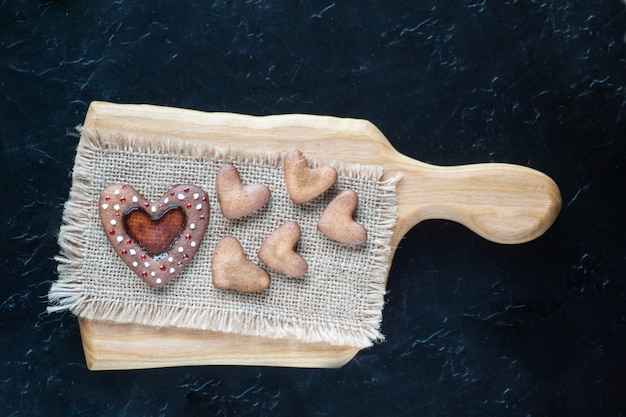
(155, 239)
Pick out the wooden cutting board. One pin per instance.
(503, 203)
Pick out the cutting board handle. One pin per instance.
(503, 203)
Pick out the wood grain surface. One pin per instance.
(503, 203)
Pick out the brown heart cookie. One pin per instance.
(236, 199)
(232, 270)
(277, 251)
(337, 222)
(303, 183)
(155, 239)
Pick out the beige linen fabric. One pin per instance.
(339, 301)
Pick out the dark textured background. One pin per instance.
(473, 328)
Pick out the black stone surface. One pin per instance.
(473, 328)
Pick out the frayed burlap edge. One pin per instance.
(66, 293)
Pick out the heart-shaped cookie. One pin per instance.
(302, 182)
(232, 270)
(155, 239)
(236, 199)
(337, 223)
(278, 251)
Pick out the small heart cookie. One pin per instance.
(232, 270)
(337, 223)
(277, 251)
(303, 183)
(236, 199)
(155, 239)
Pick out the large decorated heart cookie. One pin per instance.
(155, 239)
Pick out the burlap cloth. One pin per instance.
(339, 301)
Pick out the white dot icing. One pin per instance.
(192, 226)
(199, 206)
(196, 196)
(181, 249)
(153, 209)
(146, 264)
(181, 196)
(105, 206)
(132, 252)
(116, 207)
(193, 244)
(135, 199)
(120, 239)
(170, 259)
(113, 222)
(172, 270)
(135, 264)
(158, 280)
(116, 192)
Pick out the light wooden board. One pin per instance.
(125, 346)
(501, 202)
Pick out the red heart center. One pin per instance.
(156, 235)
